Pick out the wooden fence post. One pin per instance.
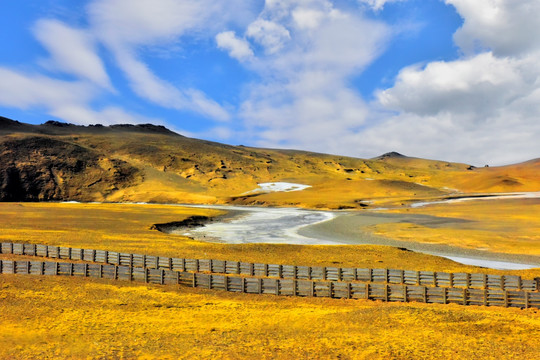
(526, 299)
(324, 272)
(505, 298)
(425, 294)
(42, 268)
(162, 277)
(467, 280)
(339, 274)
(56, 268)
(209, 281)
(309, 272)
(260, 287)
(405, 297)
(226, 282)
(277, 286)
(266, 270)
(349, 290)
(465, 296)
(444, 291)
(519, 283)
(194, 280)
(418, 278)
(367, 291)
(386, 292)
(330, 289)
(71, 266)
(243, 283)
(280, 271)
(451, 280)
(485, 297)
(312, 289)
(146, 274)
(252, 269)
(355, 273)
(402, 277)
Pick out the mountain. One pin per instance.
(147, 163)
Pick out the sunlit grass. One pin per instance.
(50, 317)
(507, 226)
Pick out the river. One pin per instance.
(313, 227)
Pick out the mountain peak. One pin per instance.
(390, 155)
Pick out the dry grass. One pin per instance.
(60, 318)
(507, 226)
(126, 228)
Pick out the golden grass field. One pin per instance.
(65, 318)
(507, 226)
(60, 318)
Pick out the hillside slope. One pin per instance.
(58, 161)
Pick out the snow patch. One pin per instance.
(278, 187)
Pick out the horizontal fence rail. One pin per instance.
(388, 276)
(278, 286)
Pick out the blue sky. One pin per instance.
(456, 80)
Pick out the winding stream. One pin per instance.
(313, 227)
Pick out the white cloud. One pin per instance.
(149, 86)
(507, 27)
(482, 108)
(67, 100)
(26, 91)
(310, 52)
(377, 4)
(270, 35)
(480, 85)
(237, 48)
(127, 26)
(72, 51)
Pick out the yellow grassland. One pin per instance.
(59, 318)
(126, 228)
(507, 226)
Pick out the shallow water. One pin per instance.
(263, 225)
(299, 227)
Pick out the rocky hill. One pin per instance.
(59, 161)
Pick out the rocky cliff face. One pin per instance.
(40, 169)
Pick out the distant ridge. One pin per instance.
(390, 155)
(58, 161)
(53, 127)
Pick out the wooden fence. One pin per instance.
(388, 276)
(279, 286)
